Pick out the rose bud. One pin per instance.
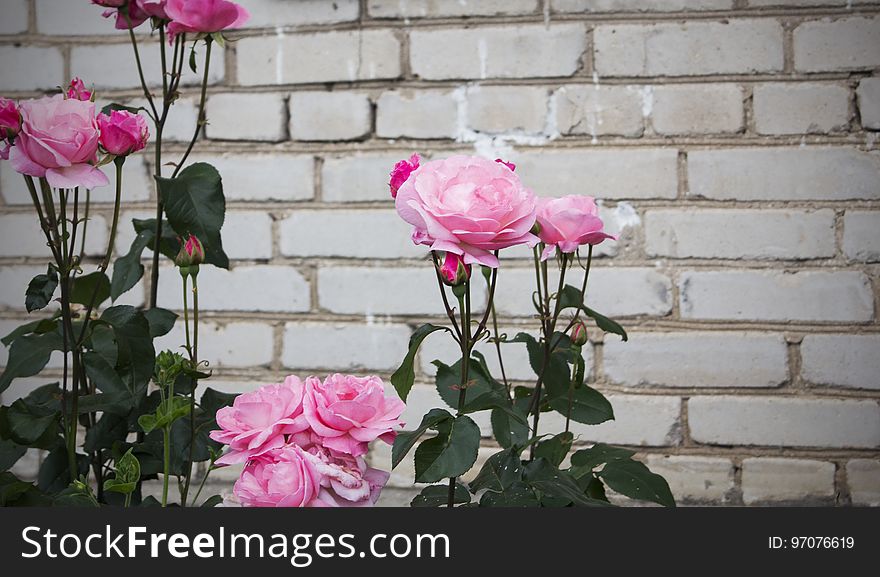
(509, 165)
(454, 272)
(579, 334)
(77, 90)
(10, 118)
(192, 253)
(122, 132)
(401, 173)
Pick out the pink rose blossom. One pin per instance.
(259, 421)
(77, 90)
(58, 141)
(153, 8)
(10, 119)
(453, 271)
(110, 3)
(569, 222)
(401, 172)
(346, 481)
(469, 206)
(287, 478)
(204, 16)
(122, 132)
(349, 412)
(127, 13)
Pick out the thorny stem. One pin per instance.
(464, 303)
(449, 310)
(192, 392)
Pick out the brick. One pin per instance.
(569, 6)
(181, 121)
(802, 3)
(264, 177)
(358, 177)
(616, 292)
(448, 8)
(230, 345)
(65, 18)
(502, 52)
(787, 108)
(262, 288)
(15, 17)
(810, 173)
(638, 420)
(776, 296)
(697, 109)
(370, 234)
(731, 47)
(841, 360)
(111, 66)
(376, 295)
(695, 479)
(766, 480)
(861, 240)
(31, 242)
(259, 116)
(734, 233)
(500, 109)
(13, 282)
(329, 115)
(345, 346)
(28, 68)
(863, 476)
(247, 235)
(697, 359)
(844, 44)
(600, 110)
(416, 114)
(315, 57)
(785, 422)
(276, 13)
(28, 466)
(423, 398)
(869, 102)
(605, 173)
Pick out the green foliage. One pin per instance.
(128, 473)
(90, 288)
(404, 377)
(438, 496)
(28, 354)
(406, 440)
(40, 290)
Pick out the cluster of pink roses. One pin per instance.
(469, 207)
(199, 16)
(58, 137)
(303, 442)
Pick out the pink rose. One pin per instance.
(453, 271)
(154, 8)
(286, 478)
(469, 206)
(77, 90)
(347, 481)
(10, 119)
(59, 141)
(259, 421)
(509, 165)
(205, 16)
(569, 222)
(122, 132)
(110, 3)
(349, 412)
(401, 172)
(127, 13)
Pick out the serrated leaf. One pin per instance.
(507, 431)
(571, 298)
(438, 496)
(28, 355)
(161, 321)
(406, 440)
(555, 448)
(499, 472)
(635, 480)
(451, 453)
(39, 327)
(94, 287)
(128, 270)
(40, 290)
(598, 454)
(404, 377)
(588, 406)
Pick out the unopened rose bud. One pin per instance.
(123, 132)
(536, 229)
(400, 173)
(10, 118)
(192, 253)
(77, 90)
(453, 271)
(579, 334)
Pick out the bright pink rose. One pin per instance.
(110, 3)
(569, 222)
(205, 16)
(347, 481)
(77, 90)
(59, 141)
(509, 165)
(285, 478)
(260, 421)
(469, 206)
(122, 132)
(401, 172)
(349, 412)
(10, 119)
(453, 271)
(128, 13)
(154, 8)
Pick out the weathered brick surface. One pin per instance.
(766, 480)
(841, 360)
(832, 44)
(863, 476)
(861, 239)
(697, 109)
(275, 13)
(264, 177)
(600, 110)
(801, 108)
(30, 68)
(329, 115)
(367, 346)
(695, 479)
(447, 8)
(869, 103)
(417, 114)
(246, 117)
(15, 17)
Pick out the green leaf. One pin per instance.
(571, 298)
(598, 454)
(499, 472)
(108, 430)
(169, 244)
(29, 423)
(13, 490)
(116, 106)
(212, 501)
(28, 355)
(128, 270)
(588, 406)
(168, 411)
(54, 474)
(39, 327)
(102, 341)
(593, 488)
(555, 448)
(148, 423)
(192, 59)
(451, 453)
(136, 355)
(518, 494)
(404, 377)
(103, 376)
(91, 286)
(550, 482)
(438, 496)
(635, 480)
(40, 290)
(161, 321)
(194, 204)
(128, 473)
(507, 431)
(557, 374)
(406, 440)
(448, 382)
(10, 453)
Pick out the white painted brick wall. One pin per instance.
(329, 115)
(31, 242)
(503, 109)
(448, 8)
(247, 235)
(30, 68)
(832, 44)
(695, 479)
(246, 117)
(228, 345)
(569, 6)
(417, 114)
(264, 177)
(864, 481)
(275, 13)
(345, 346)
(841, 360)
(861, 235)
(789, 108)
(15, 17)
(869, 103)
(767, 480)
(690, 109)
(358, 177)
(600, 110)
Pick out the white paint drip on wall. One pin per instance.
(626, 216)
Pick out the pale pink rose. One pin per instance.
(285, 478)
(401, 172)
(154, 8)
(122, 132)
(260, 421)
(59, 141)
(127, 13)
(346, 481)
(349, 412)
(469, 206)
(453, 271)
(569, 222)
(77, 90)
(204, 16)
